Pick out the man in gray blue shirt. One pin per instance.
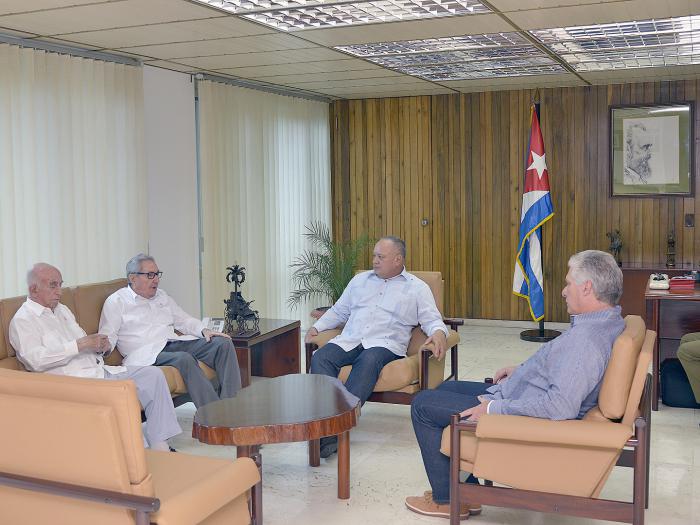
(560, 381)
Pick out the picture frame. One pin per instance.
(651, 150)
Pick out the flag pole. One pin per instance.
(541, 334)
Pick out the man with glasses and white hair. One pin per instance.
(141, 319)
(48, 339)
(560, 381)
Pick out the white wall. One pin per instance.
(170, 143)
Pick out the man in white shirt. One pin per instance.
(47, 338)
(141, 320)
(379, 308)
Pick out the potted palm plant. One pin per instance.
(324, 270)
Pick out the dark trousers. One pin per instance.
(430, 412)
(367, 364)
(218, 354)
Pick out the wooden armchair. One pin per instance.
(401, 379)
(72, 452)
(562, 466)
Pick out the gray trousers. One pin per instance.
(689, 356)
(218, 354)
(154, 395)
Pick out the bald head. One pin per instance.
(44, 285)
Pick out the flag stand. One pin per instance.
(540, 335)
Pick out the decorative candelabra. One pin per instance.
(615, 245)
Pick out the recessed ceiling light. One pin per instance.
(292, 15)
(626, 45)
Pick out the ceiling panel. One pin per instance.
(349, 64)
(105, 16)
(225, 46)
(192, 30)
(641, 74)
(525, 5)
(563, 79)
(456, 25)
(173, 66)
(377, 72)
(396, 81)
(23, 6)
(620, 11)
(264, 58)
(17, 34)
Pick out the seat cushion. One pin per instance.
(191, 488)
(398, 374)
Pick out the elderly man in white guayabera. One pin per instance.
(141, 319)
(48, 339)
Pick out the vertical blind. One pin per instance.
(264, 175)
(72, 170)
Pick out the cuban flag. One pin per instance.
(537, 209)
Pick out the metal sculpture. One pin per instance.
(238, 310)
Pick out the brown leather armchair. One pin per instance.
(562, 466)
(401, 379)
(72, 451)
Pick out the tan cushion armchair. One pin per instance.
(72, 451)
(401, 379)
(562, 466)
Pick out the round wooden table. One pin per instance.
(295, 407)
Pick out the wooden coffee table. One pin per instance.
(274, 351)
(295, 407)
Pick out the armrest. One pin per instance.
(453, 322)
(452, 340)
(69, 490)
(576, 432)
(323, 337)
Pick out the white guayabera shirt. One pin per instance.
(382, 312)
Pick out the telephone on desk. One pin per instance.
(658, 281)
(215, 324)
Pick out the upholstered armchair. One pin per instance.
(71, 451)
(562, 466)
(401, 379)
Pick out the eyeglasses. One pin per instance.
(149, 275)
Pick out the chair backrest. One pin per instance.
(89, 299)
(623, 371)
(119, 396)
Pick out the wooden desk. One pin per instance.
(296, 407)
(671, 314)
(634, 284)
(274, 351)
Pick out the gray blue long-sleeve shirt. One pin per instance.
(562, 379)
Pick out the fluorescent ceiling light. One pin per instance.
(626, 45)
(461, 57)
(293, 15)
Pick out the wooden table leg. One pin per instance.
(314, 452)
(256, 507)
(653, 320)
(243, 355)
(344, 465)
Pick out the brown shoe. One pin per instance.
(425, 505)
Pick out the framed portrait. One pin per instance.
(651, 150)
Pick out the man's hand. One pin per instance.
(208, 334)
(439, 342)
(474, 413)
(97, 343)
(310, 334)
(503, 373)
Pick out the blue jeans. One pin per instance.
(430, 412)
(367, 364)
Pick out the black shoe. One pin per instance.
(329, 446)
(172, 449)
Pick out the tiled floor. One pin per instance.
(385, 464)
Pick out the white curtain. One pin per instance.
(265, 174)
(72, 171)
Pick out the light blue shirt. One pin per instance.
(382, 312)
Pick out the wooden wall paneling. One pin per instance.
(458, 161)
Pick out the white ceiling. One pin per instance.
(184, 35)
